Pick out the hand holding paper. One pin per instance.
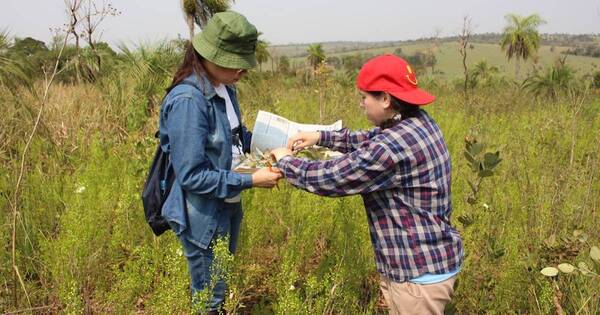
(303, 140)
(272, 131)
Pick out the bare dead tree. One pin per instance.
(464, 37)
(93, 15)
(73, 7)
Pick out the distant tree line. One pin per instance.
(486, 38)
(35, 58)
(590, 50)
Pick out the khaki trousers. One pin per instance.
(410, 298)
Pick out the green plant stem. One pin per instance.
(15, 203)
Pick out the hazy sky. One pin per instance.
(285, 21)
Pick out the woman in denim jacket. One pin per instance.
(200, 125)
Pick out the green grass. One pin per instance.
(90, 250)
(450, 61)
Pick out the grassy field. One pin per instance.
(449, 61)
(82, 245)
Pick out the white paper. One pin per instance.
(272, 131)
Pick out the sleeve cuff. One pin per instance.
(246, 181)
(283, 162)
(324, 138)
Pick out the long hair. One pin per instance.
(404, 109)
(192, 63)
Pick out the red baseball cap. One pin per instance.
(392, 74)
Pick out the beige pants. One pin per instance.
(409, 298)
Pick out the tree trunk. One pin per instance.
(466, 70)
(90, 34)
(190, 23)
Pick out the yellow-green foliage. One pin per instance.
(83, 245)
(449, 60)
(189, 6)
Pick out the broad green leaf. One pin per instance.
(566, 268)
(490, 160)
(583, 267)
(476, 148)
(486, 173)
(550, 272)
(595, 253)
(469, 157)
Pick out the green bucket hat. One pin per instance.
(228, 40)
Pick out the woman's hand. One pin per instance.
(302, 140)
(277, 154)
(266, 177)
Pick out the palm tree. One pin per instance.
(482, 72)
(284, 65)
(4, 41)
(262, 51)
(200, 11)
(551, 82)
(13, 72)
(521, 39)
(316, 55)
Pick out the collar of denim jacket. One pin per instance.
(202, 82)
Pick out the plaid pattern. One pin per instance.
(403, 175)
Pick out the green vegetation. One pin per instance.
(448, 66)
(316, 55)
(262, 53)
(521, 39)
(81, 244)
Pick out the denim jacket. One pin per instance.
(195, 130)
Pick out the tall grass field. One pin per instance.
(75, 240)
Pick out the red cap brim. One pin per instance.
(416, 97)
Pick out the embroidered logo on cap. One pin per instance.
(411, 77)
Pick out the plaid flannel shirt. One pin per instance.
(403, 175)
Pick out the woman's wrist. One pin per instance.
(278, 154)
(247, 181)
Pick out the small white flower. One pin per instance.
(486, 206)
(80, 189)
(292, 288)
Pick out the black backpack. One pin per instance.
(156, 190)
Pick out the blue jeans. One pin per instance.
(200, 260)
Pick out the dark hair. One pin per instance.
(192, 62)
(405, 109)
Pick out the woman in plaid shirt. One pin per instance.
(402, 170)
